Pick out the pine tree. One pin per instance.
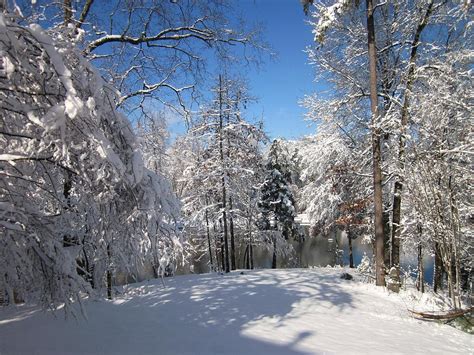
(277, 203)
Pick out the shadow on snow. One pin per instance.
(190, 314)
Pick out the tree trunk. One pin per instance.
(155, 270)
(217, 256)
(232, 239)
(216, 243)
(438, 270)
(376, 152)
(224, 195)
(386, 236)
(455, 241)
(67, 12)
(84, 13)
(67, 187)
(274, 259)
(88, 268)
(250, 256)
(351, 257)
(223, 253)
(457, 268)
(226, 238)
(222, 247)
(251, 253)
(451, 289)
(233, 264)
(398, 186)
(338, 257)
(209, 241)
(421, 271)
(247, 257)
(396, 215)
(109, 273)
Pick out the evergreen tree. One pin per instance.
(277, 203)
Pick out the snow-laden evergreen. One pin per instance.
(277, 203)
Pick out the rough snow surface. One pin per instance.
(307, 311)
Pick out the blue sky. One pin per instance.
(278, 83)
(281, 83)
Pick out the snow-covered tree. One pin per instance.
(408, 36)
(335, 185)
(153, 137)
(156, 53)
(277, 205)
(219, 182)
(438, 178)
(76, 198)
(360, 35)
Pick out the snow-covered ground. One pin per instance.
(306, 311)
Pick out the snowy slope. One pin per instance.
(308, 311)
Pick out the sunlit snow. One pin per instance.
(302, 311)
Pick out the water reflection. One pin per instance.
(321, 251)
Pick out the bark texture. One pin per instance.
(376, 150)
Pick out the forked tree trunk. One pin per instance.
(376, 150)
